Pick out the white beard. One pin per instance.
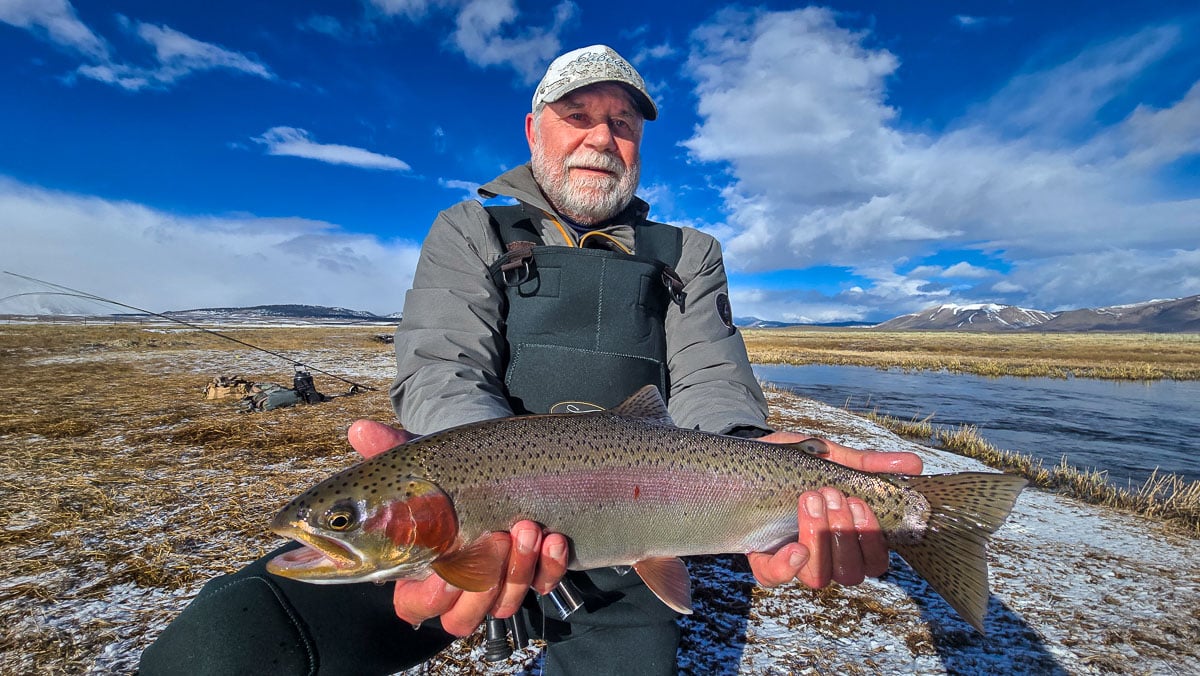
(585, 199)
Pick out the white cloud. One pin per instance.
(324, 24)
(179, 54)
(819, 172)
(492, 32)
(176, 55)
(413, 9)
(468, 188)
(294, 142)
(1063, 99)
(968, 271)
(645, 54)
(54, 20)
(480, 35)
(163, 261)
(1099, 278)
(969, 22)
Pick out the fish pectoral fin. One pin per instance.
(473, 568)
(812, 446)
(668, 578)
(646, 405)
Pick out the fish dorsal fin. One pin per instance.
(645, 404)
(667, 577)
(473, 568)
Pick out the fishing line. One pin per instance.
(68, 291)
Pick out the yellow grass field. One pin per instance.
(1122, 356)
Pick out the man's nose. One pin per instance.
(601, 137)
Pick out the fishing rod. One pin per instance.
(91, 296)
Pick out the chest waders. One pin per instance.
(585, 329)
(583, 326)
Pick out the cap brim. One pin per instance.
(640, 99)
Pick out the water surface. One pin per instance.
(1125, 428)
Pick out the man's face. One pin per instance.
(584, 151)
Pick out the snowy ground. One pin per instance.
(1075, 590)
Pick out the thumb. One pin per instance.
(371, 438)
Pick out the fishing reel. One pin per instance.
(497, 646)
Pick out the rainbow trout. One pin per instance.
(627, 488)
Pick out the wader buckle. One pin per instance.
(515, 267)
(674, 286)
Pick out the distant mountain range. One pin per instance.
(318, 312)
(1178, 315)
(756, 323)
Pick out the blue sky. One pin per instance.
(856, 160)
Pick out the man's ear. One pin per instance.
(529, 131)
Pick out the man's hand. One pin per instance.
(840, 538)
(534, 560)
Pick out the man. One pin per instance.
(570, 299)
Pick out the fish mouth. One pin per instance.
(320, 557)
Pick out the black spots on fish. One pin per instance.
(303, 511)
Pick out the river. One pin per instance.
(1124, 428)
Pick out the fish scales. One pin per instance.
(626, 487)
(612, 489)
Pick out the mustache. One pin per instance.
(594, 160)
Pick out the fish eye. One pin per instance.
(341, 517)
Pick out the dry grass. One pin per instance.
(120, 479)
(1081, 355)
(1165, 497)
(125, 490)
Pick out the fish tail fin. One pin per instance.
(964, 510)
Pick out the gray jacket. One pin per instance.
(449, 364)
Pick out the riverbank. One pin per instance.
(1121, 356)
(127, 491)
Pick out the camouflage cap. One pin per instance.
(589, 65)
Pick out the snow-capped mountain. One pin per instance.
(1177, 315)
(975, 317)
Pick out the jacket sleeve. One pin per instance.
(449, 341)
(712, 385)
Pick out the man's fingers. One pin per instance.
(845, 552)
(552, 564)
(896, 462)
(870, 538)
(371, 438)
(418, 600)
(772, 570)
(814, 535)
(522, 562)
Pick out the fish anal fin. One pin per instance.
(473, 568)
(668, 578)
(645, 404)
(964, 510)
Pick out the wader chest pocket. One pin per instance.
(537, 372)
